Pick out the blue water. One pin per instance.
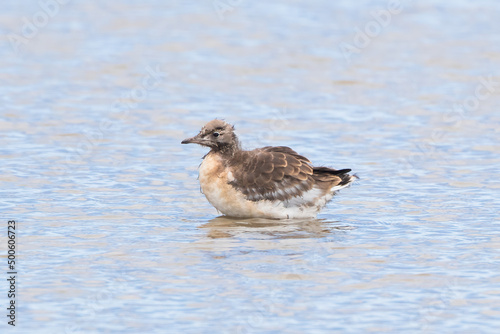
(114, 235)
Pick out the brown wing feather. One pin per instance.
(271, 173)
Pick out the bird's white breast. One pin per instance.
(214, 178)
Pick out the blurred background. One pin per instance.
(114, 235)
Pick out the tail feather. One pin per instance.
(338, 178)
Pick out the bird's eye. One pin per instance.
(216, 134)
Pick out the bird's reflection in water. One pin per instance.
(227, 227)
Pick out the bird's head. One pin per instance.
(216, 134)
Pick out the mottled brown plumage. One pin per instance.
(265, 175)
(271, 173)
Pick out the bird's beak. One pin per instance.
(194, 140)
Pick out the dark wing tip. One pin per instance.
(342, 171)
(331, 170)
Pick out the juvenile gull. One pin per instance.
(268, 182)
